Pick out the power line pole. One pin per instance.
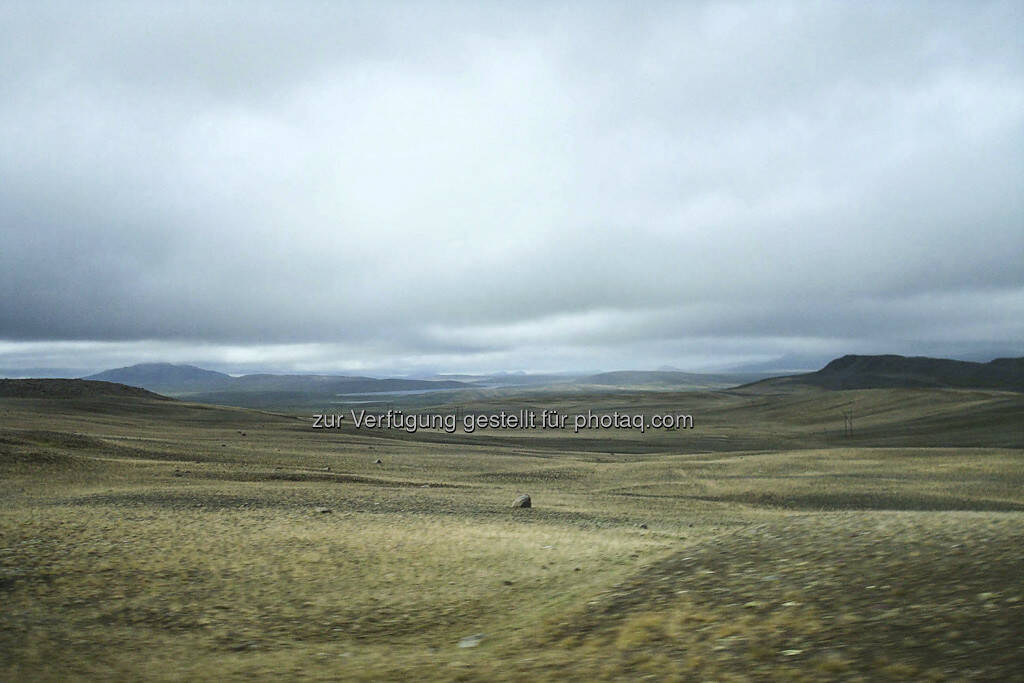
(848, 422)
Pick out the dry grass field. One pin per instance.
(171, 541)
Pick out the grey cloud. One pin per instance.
(470, 185)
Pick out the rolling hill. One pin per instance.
(891, 371)
(673, 379)
(223, 541)
(258, 390)
(165, 377)
(71, 388)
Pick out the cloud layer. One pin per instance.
(367, 186)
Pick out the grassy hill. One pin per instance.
(165, 377)
(259, 390)
(890, 371)
(305, 393)
(765, 543)
(669, 379)
(71, 388)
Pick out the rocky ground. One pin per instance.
(921, 596)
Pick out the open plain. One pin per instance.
(166, 540)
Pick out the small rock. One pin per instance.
(522, 501)
(471, 641)
(324, 511)
(642, 526)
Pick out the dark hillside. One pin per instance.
(70, 388)
(892, 372)
(166, 377)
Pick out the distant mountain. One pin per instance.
(189, 380)
(667, 379)
(787, 364)
(890, 371)
(337, 384)
(70, 388)
(524, 379)
(508, 379)
(166, 378)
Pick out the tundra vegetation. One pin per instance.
(157, 539)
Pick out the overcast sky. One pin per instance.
(395, 188)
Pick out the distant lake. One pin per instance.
(408, 392)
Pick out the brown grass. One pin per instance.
(154, 539)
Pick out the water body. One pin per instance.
(408, 392)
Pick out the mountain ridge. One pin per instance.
(894, 371)
(851, 371)
(162, 377)
(60, 388)
(168, 378)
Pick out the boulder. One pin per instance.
(471, 641)
(522, 501)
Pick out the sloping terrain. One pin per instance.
(680, 381)
(261, 391)
(147, 538)
(70, 388)
(890, 371)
